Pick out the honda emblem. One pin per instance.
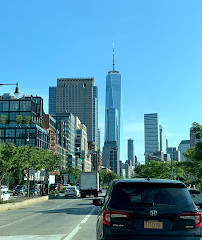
(153, 212)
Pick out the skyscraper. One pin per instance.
(163, 140)
(113, 100)
(52, 100)
(131, 151)
(95, 116)
(111, 149)
(75, 95)
(151, 131)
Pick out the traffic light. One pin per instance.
(149, 160)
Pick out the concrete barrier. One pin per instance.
(25, 203)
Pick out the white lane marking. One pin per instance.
(76, 229)
(22, 219)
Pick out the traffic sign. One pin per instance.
(72, 179)
(65, 178)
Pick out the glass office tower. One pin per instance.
(113, 100)
(52, 100)
(152, 136)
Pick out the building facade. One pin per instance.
(95, 116)
(52, 100)
(131, 151)
(174, 153)
(75, 95)
(183, 146)
(110, 156)
(151, 132)
(21, 121)
(163, 139)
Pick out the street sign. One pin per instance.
(65, 178)
(31, 172)
(72, 178)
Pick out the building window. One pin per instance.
(25, 106)
(13, 116)
(10, 132)
(20, 132)
(20, 141)
(4, 106)
(14, 106)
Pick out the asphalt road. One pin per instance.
(60, 219)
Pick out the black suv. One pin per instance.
(148, 209)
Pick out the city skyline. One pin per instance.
(158, 52)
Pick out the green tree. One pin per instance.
(3, 119)
(19, 119)
(27, 119)
(160, 170)
(6, 159)
(193, 164)
(107, 177)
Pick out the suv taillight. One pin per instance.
(107, 215)
(192, 216)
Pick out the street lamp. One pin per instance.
(16, 89)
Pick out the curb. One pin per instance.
(13, 206)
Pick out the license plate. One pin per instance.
(153, 224)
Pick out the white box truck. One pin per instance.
(89, 184)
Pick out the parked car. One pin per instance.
(54, 187)
(5, 195)
(147, 209)
(66, 185)
(19, 189)
(37, 191)
(72, 191)
(196, 196)
(4, 188)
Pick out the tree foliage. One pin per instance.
(160, 170)
(18, 160)
(107, 177)
(194, 154)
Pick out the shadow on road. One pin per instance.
(71, 211)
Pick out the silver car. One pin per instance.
(196, 196)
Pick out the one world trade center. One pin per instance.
(112, 118)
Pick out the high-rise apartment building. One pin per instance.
(151, 131)
(163, 140)
(183, 146)
(52, 100)
(75, 95)
(131, 151)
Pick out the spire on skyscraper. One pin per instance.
(113, 57)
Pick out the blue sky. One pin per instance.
(158, 51)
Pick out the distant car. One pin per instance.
(66, 186)
(196, 196)
(72, 191)
(4, 188)
(19, 189)
(37, 192)
(54, 187)
(5, 195)
(147, 209)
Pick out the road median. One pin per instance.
(22, 204)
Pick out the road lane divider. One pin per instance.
(25, 203)
(76, 229)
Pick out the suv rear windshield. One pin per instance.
(132, 196)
